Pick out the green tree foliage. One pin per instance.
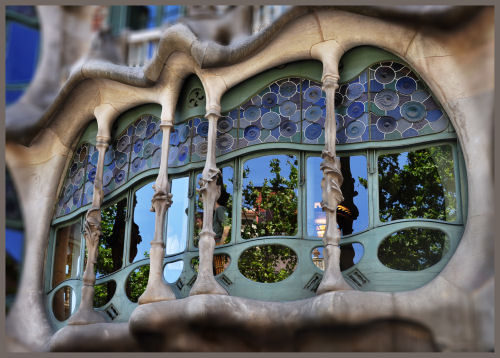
(137, 282)
(275, 202)
(267, 263)
(412, 249)
(424, 187)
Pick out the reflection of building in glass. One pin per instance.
(318, 259)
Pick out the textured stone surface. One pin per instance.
(455, 307)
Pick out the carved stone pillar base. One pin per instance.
(86, 313)
(205, 282)
(156, 290)
(332, 279)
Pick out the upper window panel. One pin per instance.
(387, 101)
(418, 184)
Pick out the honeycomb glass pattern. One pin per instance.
(387, 101)
(70, 198)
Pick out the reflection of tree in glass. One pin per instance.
(267, 263)
(103, 293)
(423, 188)
(137, 282)
(271, 210)
(111, 241)
(412, 249)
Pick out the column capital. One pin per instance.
(213, 110)
(330, 80)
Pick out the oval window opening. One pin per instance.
(267, 263)
(63, 303)
(172, 271)
(103, 293)
(137, 282)
(220, 263)
(350, 255)
(412, 249)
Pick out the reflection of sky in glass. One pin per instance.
(177, 223)
(227, 176)
(172, 271)
(260, 169)
(315, 216)
(73, 301)
(14, 243)
(145, 219)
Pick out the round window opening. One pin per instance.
(103, 293)
(267, 263)
(137, 282)
(64, 303)
(413, 249)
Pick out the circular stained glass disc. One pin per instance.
(288, 89)
(313, 131)
(123, 143)
(386, 124)
(77, 196)
(406, 85)
(224, 124)
(313, 113)
(339, 121)
(172, 153)
(121, 159)
(119, 177)
(288, 108)
(138, 146)
(109, 156)
(355, 129)
(107, 176)
(91, 175)
(312, 94)
(201, 148)
(224, 142)
(413, 111)
(251, 133)
(386, 100)
(151, 130)
(183, 133)
(141, 127)
(78, 176)
(202, 129)
(355, 90)
(356, 109)
(183, 153)
(288, 129)
(94, 158)
(252, 113)
(269, 99)
(385, 74)
(156, 157)
(270, 120)
(174, 138)
(148, 150)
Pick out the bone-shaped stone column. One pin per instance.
(92, 227)
(331, 194)
(157, 289)
(205, 281)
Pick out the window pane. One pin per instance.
(67, 253)
(111, 241)
(417, 184)
(222, 221)
(352, 213)
(103, 293)
(172, 271)
(269, 206)
(412, 249)
(143, 224)
(137, 282)
(177, 224)
(350, 255)
(63, 303)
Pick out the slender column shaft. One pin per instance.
(92, 231)
(157, 289)
(209, 190)
(331, 195)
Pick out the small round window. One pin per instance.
(63, 303)
(137, 282)
(412, 249)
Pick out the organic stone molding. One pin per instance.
(157, 289)
(209, 190)
(331, 194)
(86, 314)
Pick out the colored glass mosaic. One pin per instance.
(199, 143)
(70, 198)
(386, 102)
(180, 137)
